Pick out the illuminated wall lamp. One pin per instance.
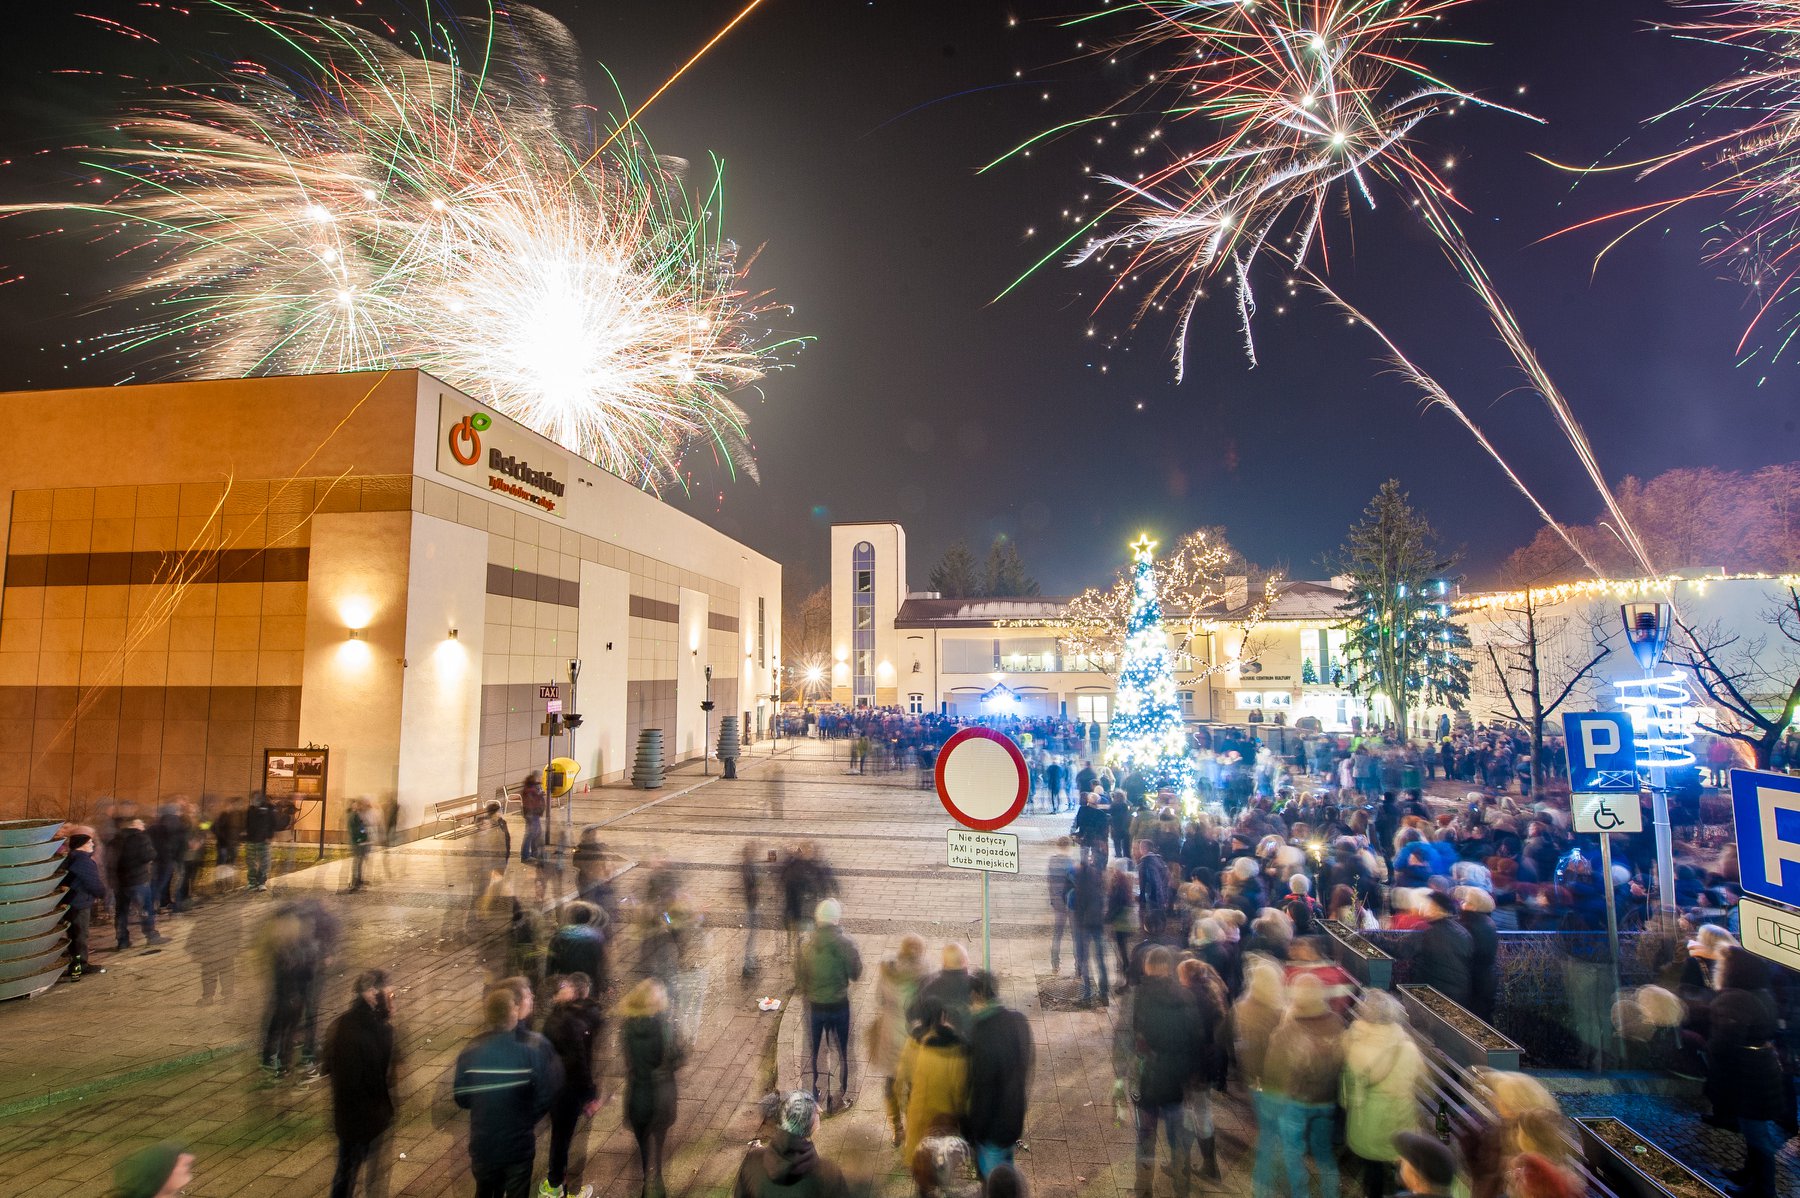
(453, 633)
(356, 634)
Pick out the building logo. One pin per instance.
(478, 449)
(467, 431)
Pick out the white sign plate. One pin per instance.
(1772, 932)
(553, 707)
(993, 852)
(1608, 813)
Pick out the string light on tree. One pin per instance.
(1147, 734)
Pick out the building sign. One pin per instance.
(294, 773)
(476, 448)
(995, 852)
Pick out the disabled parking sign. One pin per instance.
(1765, 808)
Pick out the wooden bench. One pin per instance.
(459, 813)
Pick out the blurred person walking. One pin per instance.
(85, 889)
(1477, 918)
(579, 946)
(507, 1079)
(1166, 1027)
(1306, 1056)
(750, 889)
(1443, 954)
(1212, 1002)
(1001, 1061)
(1061, 876)
(362, 835)
(1091, 829)
(532, 804)
(896, 987)
(259, 830)
(1428, 1169)
(934, 1077)
(650, 1053)
(1254, 1019)
(573, 1029)
(1087, 908)
(789, 1166)
(134, 866)
(1379, 1089)
(827, 967)
(1743, 1077)
(360, 1061)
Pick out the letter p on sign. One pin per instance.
(1599, 740)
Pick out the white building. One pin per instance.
(894, 647)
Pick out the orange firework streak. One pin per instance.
(631, 119)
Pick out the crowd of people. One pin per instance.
(1204, 938)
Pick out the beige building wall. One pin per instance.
(159, 632)
(440, 707)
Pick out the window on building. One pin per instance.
(1278, 700)
(1249, 700)
(915, 703)
(862, 625)
(762, 632)
(971, 656)
(1187, 704)
(1092, 709)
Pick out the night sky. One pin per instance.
(851, 132)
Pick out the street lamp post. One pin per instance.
(706, 706)
(1647, 631)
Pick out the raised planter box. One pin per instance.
(1359, 957)
(1456, 1032)
(1634, 1166)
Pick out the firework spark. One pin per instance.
(356, 205)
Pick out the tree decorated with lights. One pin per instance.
(1146, 734)
(1403, 643)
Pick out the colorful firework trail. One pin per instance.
(1306, 102)
(1754, 160)
(1305, 95)
(357, 204)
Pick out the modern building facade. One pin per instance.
(373, 563)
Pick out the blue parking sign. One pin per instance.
(1766, 809)
(1602, 752)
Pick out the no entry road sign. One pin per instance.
(983, 783)
(982, 779)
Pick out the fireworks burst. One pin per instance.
(1755, 162)
(1305, 95)
(364, 206)
(1314, 102)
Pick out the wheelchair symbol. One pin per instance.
(1605, 818)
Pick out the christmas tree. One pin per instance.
(1146, 734)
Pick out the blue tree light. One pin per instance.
(1147, 734)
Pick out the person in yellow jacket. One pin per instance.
(934, 1077)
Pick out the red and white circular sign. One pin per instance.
(982, 779)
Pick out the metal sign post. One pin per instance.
(983, 783)
(1603, 775)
